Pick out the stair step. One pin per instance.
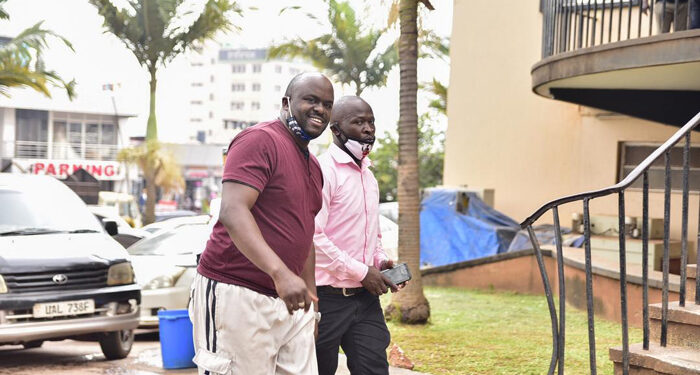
(683, 324)
(658, 360)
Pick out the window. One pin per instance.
(278, 88)
(255, 106)
(211, 79)
(211, 114)
(257, 68)
(32, 131)
(235, 124)
(195, 64)
(237, 87)
(632, 154)
(278, 68)
(238, 68)
(237, 106)
(84, 137)
(211, 96)
(196, 102)
(256, 87)
(294, 71)
(197, 84)
(109, 135)
(195, 120)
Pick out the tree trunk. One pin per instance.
(152, 128)
(409, 305)
(150, 211)
(151, 138)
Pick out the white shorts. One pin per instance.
(239, 331)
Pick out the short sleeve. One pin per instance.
(250, 159)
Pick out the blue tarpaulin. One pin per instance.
(449, 236)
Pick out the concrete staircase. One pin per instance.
(681, 356)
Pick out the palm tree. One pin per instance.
(349, 55)
(410, 305)
(21, 64)
(439, 103)
(160, 164)
(148, 29)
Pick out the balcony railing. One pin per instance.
(569, 25)
(641, 171)
(70, 151)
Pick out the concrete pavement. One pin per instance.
(79, 357)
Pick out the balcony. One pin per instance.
(62, 151)
(611, 55)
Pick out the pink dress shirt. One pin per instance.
(347, 237)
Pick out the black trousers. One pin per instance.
(356, 324)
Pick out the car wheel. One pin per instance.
(117, 345)
(33, 344)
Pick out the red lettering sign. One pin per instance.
(38, 167)
(109, 170)
(96, 170)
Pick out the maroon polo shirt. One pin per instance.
(266, 158)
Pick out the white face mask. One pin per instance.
(358, 149)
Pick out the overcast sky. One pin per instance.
(100, 58)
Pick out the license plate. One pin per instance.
(64, 308)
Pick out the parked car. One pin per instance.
(61, 274)
(166, 215)
(390, 210)
(126, 235)
(171, 223)
(126, 205)
(390, 237)
(165, 266)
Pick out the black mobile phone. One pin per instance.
(399, 274)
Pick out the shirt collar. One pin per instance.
(342, 157)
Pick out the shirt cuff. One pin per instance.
(378, 259)
(358, 271)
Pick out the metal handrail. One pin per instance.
(626, 182)
(570, 25)
(559, 321)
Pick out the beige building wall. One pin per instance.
(531, 149)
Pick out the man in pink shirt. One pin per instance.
(349, 254)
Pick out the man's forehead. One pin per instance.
(318, 86)
(357, 109)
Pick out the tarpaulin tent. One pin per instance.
(458, 226)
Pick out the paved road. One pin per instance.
(77, 357)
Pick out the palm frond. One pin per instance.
(21, 64)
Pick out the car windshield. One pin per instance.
(34, 211)
(184, 239)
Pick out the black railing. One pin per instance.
(558, 321)
(570, 25)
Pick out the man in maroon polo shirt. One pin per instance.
(252, 302)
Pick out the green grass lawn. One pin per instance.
(482, 332)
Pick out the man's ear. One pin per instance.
(334, 129)
(285, 102)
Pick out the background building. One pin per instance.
(231, 89)
(56, 137)
(506, 132)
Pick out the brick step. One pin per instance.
(658, 360)
(683, 324)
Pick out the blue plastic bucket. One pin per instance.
(176, 345)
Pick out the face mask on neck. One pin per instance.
(293, 125)
(358, 149)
